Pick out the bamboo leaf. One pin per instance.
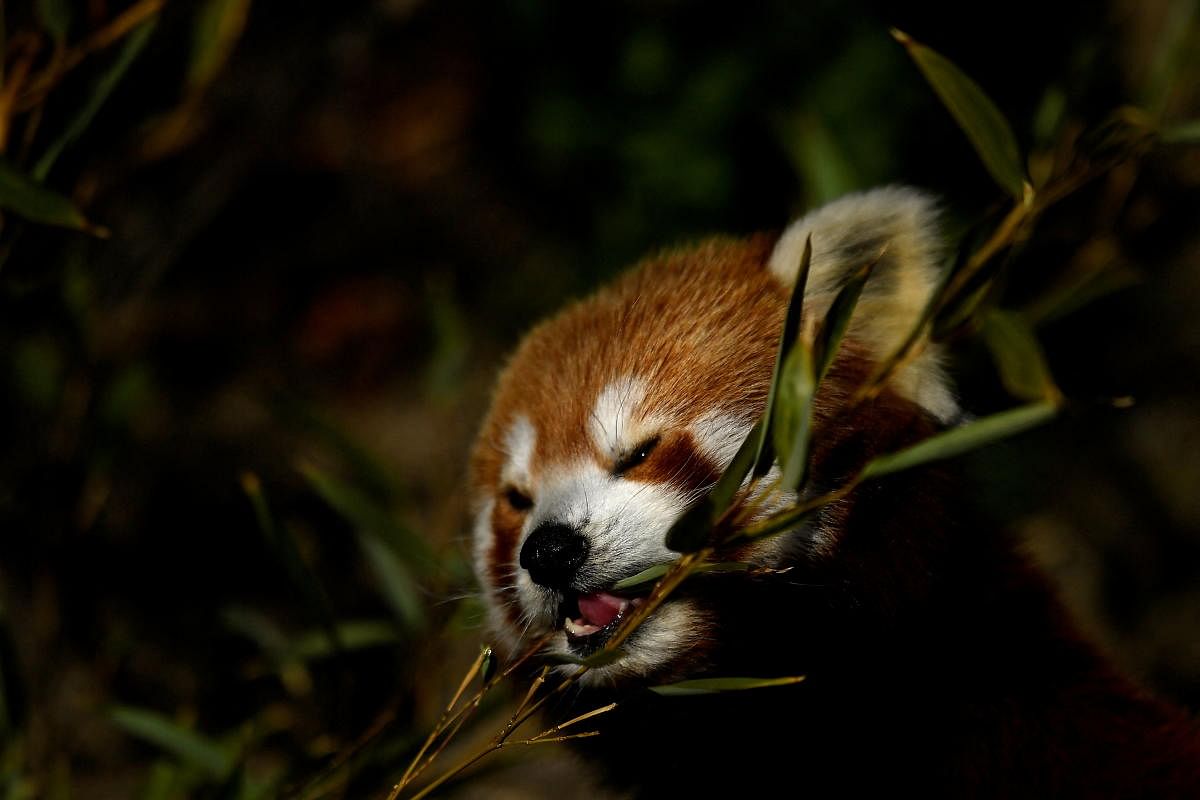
(793, 414)
(1183, 133)
(286, 550)
(692, 529)
(718, 685)
(55, 17)
(1019, 357)
(649, 576)
(975, 113)
(22, 195)
(100, 93)
(962, 439)
(219, 25)
(837, 319)
(352, 635)
(185, 744)
(765, 453)
(394, 580)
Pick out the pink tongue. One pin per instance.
(601, 608)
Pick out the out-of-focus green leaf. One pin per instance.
(823, 168)
(395, 581)
(793, 413)
(218, 27)
(284, 545)
(187, 745)
(163, 783)
(55, 17)
(353, 635)
(366, 515)
(24, 196)
(1018, 357)
(962, 439)
(100, 92)
(975, 113)
(1183, 133)
(718, 685)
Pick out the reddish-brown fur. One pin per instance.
(938, 661)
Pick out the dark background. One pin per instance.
(321, 252)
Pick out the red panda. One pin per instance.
(937, 660)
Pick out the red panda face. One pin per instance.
(618, 414)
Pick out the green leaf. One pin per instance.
(283, 543)
(837, 319)
(1183, 133)
(718, 685)
(185, 744)
(22, 195)
(366, 515)
(978, 117)
(351, 635)
(101, 90)
(818, 158)
(648, 576)
(1018, 357)
(962, 439)
(394, 580)
(765, 450)
(218, 27)
(55, 17)
(793, 413)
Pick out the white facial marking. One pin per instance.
(519, 442)
(615, 424)
(719, 434)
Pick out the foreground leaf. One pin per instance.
(975, 113)
(648, 576)
(187, 745)
(718, 685)
(962, 439)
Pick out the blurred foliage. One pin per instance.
(232, 528)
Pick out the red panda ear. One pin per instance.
(901, 224)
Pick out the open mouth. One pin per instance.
(589, 620)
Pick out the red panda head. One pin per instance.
(617, 414)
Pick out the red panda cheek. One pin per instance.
(502, 557)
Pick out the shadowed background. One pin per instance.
(232, 519)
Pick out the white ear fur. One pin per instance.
(900, 223)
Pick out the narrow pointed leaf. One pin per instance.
(962, 439)
(489, 663)
(837, 319)
(649, 576)
(1018, 357)
(793, 413)
(100, 92)
(975, 113)
(218, 27)
(764, 456)
(26, 197)
(187, 745)
(394, 580)
(718, 685)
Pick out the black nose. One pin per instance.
(553, 553)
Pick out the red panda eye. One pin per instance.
(635, 456)
(518, 499)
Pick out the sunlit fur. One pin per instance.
(918, 631)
